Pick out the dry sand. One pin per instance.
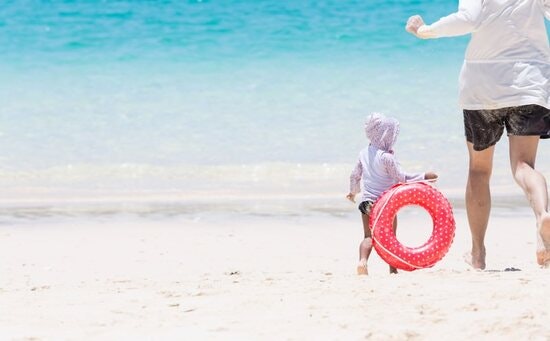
(261, 277)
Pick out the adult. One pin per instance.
(504, 83)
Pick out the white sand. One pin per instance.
(229, 277)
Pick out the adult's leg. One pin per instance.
(523, 153)
(365, 247)
(478, 201)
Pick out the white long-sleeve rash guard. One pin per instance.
(507, 62)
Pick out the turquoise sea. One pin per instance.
(220, 99)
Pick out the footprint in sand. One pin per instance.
(471, 307)
(169, 294)
(44, 287)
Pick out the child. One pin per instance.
(376, 171)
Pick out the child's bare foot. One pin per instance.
(475, 259)
(362, 267)
(543, 242)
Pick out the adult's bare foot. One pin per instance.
(476, 259)
(543, 242)
(362, 267)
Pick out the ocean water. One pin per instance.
(224, 99)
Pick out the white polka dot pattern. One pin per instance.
(385, 241)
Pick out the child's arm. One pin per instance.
(394, 170)
(355, 181)
(464, 21)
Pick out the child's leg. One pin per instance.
(365, 247)
(393, 270)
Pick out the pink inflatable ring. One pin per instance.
(385, 241)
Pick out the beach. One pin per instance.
(229, 276)
(178, 170)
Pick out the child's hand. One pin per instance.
(430, 176)
(351, 197)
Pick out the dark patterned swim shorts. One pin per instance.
(485, 127)
(366, 206)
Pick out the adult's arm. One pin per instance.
(464, 21)
(545, 4)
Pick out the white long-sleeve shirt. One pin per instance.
(376, 171)
(507, 62)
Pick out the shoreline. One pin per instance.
(176, 203)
